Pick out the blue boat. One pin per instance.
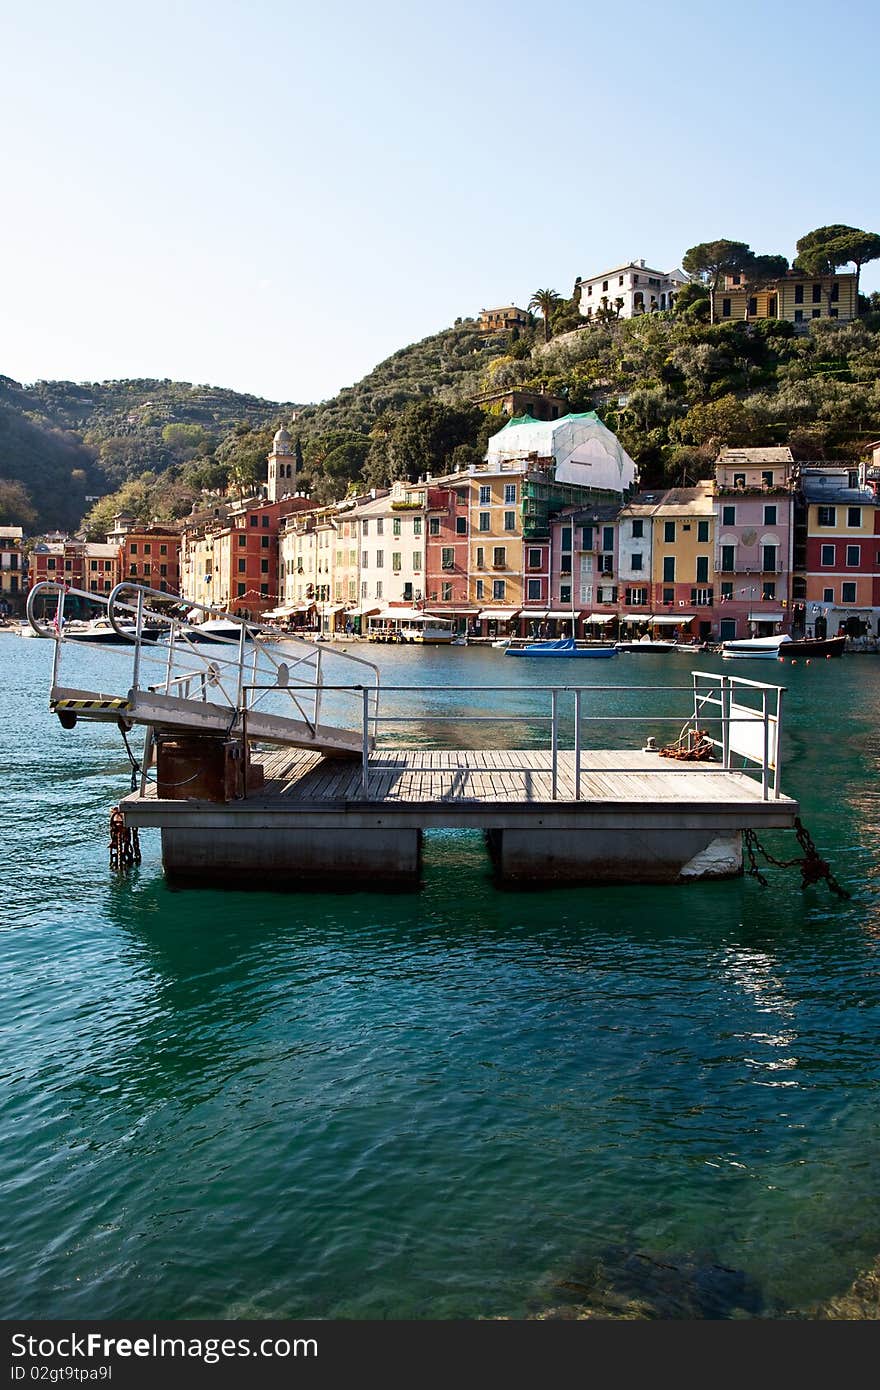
(563, 646)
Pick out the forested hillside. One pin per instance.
(61, 441)
(672, 386)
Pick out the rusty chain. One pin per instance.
(811, 864)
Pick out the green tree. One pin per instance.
(761, 272)
(425, 434)
(545, 301)
(186, 440)
(608, 310)
(15, 504)
(134, 499)
(245, 473)
(692, 301)
(825, 250)
(724, 421)
(712, 260)
(567, 316)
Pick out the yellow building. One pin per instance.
(496, 538)
(797, 297)
(12, 569)
(502, 320)
(682, 560)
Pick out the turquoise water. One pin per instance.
(455, 1103)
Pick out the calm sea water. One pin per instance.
(457, 1103)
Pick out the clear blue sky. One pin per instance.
(274, 196)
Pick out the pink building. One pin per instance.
(583, 571)
(753, 541)
(536, 587)
(446, 554)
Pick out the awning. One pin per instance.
(636, 618)
(284, 611)
(501, 615)
(766, 617)
(667, 619)
(327, 610)
(362, 612)
(403, 615)
(600, 618)
(453, 612)
(562, 613)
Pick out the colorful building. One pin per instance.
(149, 555)
(57, 557)
(392, 547)
(753, 541)
(682, 562)
(101, 567)
(447, 553)
(842, 573)
(13, 570)
(797, 297)
(232, 562)
(583, 571)
(635, 531)
(504, 319)
(495, 530)
(306, 551)
(535, 469)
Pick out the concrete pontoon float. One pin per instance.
(291, 765)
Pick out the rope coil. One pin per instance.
(692, 745)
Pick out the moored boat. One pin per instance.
(646, 646)
(563, 646)
(756, 648)
(812, 646)
(216, 630)
(102, 630)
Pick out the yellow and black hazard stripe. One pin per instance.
(116, 706)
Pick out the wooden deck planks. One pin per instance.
(419, 776)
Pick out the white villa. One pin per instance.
(641, 289)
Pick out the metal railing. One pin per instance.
(746, 731)
(170, 656)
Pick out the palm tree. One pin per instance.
(545, 301)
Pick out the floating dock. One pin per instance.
(638, 819)
(329, 804)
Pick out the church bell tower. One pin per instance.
(282, 466)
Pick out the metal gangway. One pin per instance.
(175, 680)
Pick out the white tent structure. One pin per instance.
(583, 450)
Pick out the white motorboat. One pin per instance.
(763, 648)
(215, 630)
(102, 630)
(646, 646)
